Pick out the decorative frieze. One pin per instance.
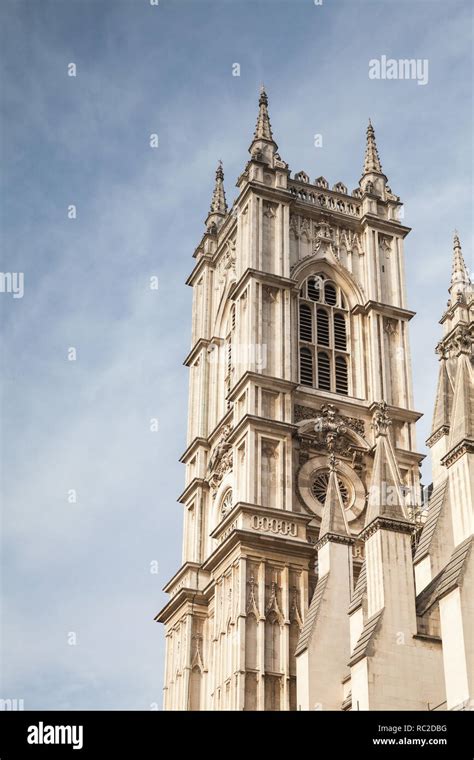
(274, 525)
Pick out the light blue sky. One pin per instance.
(84, 425)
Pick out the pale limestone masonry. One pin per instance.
(307, 580)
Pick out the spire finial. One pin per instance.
(460, 280)
(263, 129)
(218, 208)
(372, 160)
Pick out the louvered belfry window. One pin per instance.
(323, 336)
(306, 323)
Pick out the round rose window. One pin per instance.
(319, 488)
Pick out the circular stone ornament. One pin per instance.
(313, 479)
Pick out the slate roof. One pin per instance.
(312, 615)
(370, 629)
(448, 579)
(434, 510)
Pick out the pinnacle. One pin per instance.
(263, 129)
(372, 160)
(459, 270)
(385, 495)
(218, 202)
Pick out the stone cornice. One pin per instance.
(179, 574)
(206, 442)
(192, 486)
(334, 538)
(385, 225)
(276, 194)
(387, 310)
(184, 597)
(386, 523)
(193, 446)
(266, 381)
(273, 280)
(260, 422)
(435, 437)
(405, 455)
(465, 446)
(199, 344)
(205, 260)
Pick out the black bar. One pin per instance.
(136, 734)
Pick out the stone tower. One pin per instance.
(299, 342)
(444, 561)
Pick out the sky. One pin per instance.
(88, 491)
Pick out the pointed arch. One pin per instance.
(323, 334)
(332, 270)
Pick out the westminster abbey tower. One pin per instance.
(312, 575)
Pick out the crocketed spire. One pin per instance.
(218, 208)
(263, 130)
(218, 202)
(460, 280)
(263, 146)
(372, 160)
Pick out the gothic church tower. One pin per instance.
(300, 397)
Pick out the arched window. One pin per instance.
(323, 335)
(313, 288)
(330, 294)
